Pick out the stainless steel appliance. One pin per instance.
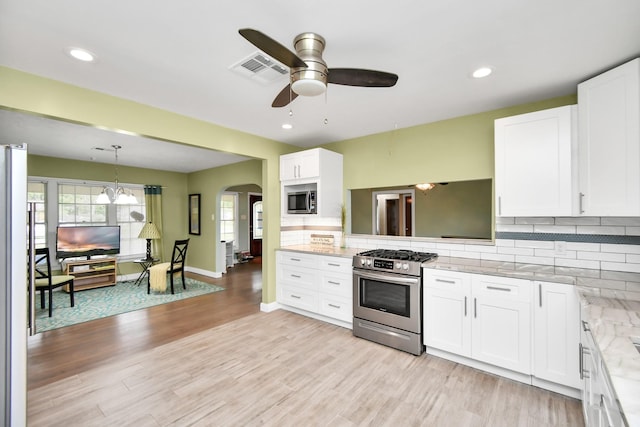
(301, 202)
(387, 297)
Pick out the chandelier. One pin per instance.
(116, 194)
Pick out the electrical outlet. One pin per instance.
(560, 248)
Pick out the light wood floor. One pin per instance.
(277, 369)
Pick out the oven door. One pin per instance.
(389, 299)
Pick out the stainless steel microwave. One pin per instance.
(301, 202)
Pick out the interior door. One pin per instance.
(255, 225)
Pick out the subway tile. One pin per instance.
(584, 247)
(564, 262)
(632, 231)
(536, 244)
(450, 246)
(516, 251)
(587, 220)
(563, 229)
(464, 254)
(554, 254)
(618, 266)
(633, 286)
(626, 249)
(632, 258)
(505, 242)
(483, 249)
(514, 228)
(535, 220)
(505, 220)
(601, 256)
(626, 221)
(610, 230)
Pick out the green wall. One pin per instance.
(210, 184)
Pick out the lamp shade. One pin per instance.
(149, 231)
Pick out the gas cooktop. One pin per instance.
(399, 255)
(392, 261)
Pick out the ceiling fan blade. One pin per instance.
(272, 48)
(285, 96)
(358, 77)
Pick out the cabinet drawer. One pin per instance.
(502, 287)
(299, 297)
(336, 264)
(336, 307)
(300, 277)
(298, 259)
(337, 284)
(446, 280)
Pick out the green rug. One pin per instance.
(103, 302)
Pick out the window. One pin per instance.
(76, 205)
(228, 224)
(131, 219)
(36, 193)
(257, 220)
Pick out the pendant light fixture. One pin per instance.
(116, 194)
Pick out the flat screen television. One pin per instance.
(87, 241)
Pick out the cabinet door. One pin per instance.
(501, 326)
(556, 334)
(609, 142)
(447, 314)
(304, 164)
(534, 166)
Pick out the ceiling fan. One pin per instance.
(309, 74)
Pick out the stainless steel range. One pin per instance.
(387, 297)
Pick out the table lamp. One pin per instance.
(149, 231)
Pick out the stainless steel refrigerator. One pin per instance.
(13, 296)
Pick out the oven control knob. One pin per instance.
(398, 265)
(405, 266)
(362, 261)
(369, 262)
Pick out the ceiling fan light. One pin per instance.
(308, 87)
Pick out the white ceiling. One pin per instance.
(176, 56)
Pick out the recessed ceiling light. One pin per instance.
(287, 126)
(81, 54)
(482, 72)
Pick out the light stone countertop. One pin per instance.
(323, 250)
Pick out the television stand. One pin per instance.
(91, 273)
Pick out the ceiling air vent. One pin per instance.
(260, 68)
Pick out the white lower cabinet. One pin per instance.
(556, 334)
(496, 323)
(317, 284)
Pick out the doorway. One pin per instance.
(255, 225)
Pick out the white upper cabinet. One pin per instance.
(609, 142)
(300, 165)
(535, 173)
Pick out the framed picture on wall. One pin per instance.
(194, 214)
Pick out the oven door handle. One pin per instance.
(387, 278)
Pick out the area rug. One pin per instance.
(103, 302)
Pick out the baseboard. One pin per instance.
(213, 274)
(124, 277)
(337, 322)
(269, 307)
(496, 370)
(557, 388)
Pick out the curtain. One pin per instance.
(153, 203)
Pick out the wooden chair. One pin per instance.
(176, 265)
(45, 281)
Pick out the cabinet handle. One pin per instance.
(495, 288)
(333, 264)
(334, 306)
(499, 205)
(475, 308)
(465, 306)
(580, 361)
(585, 326)
(540, 294)
(580, 203)
(295, 296)
(331, 282)
(295, 276)
(295, 259)
(450, 282)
